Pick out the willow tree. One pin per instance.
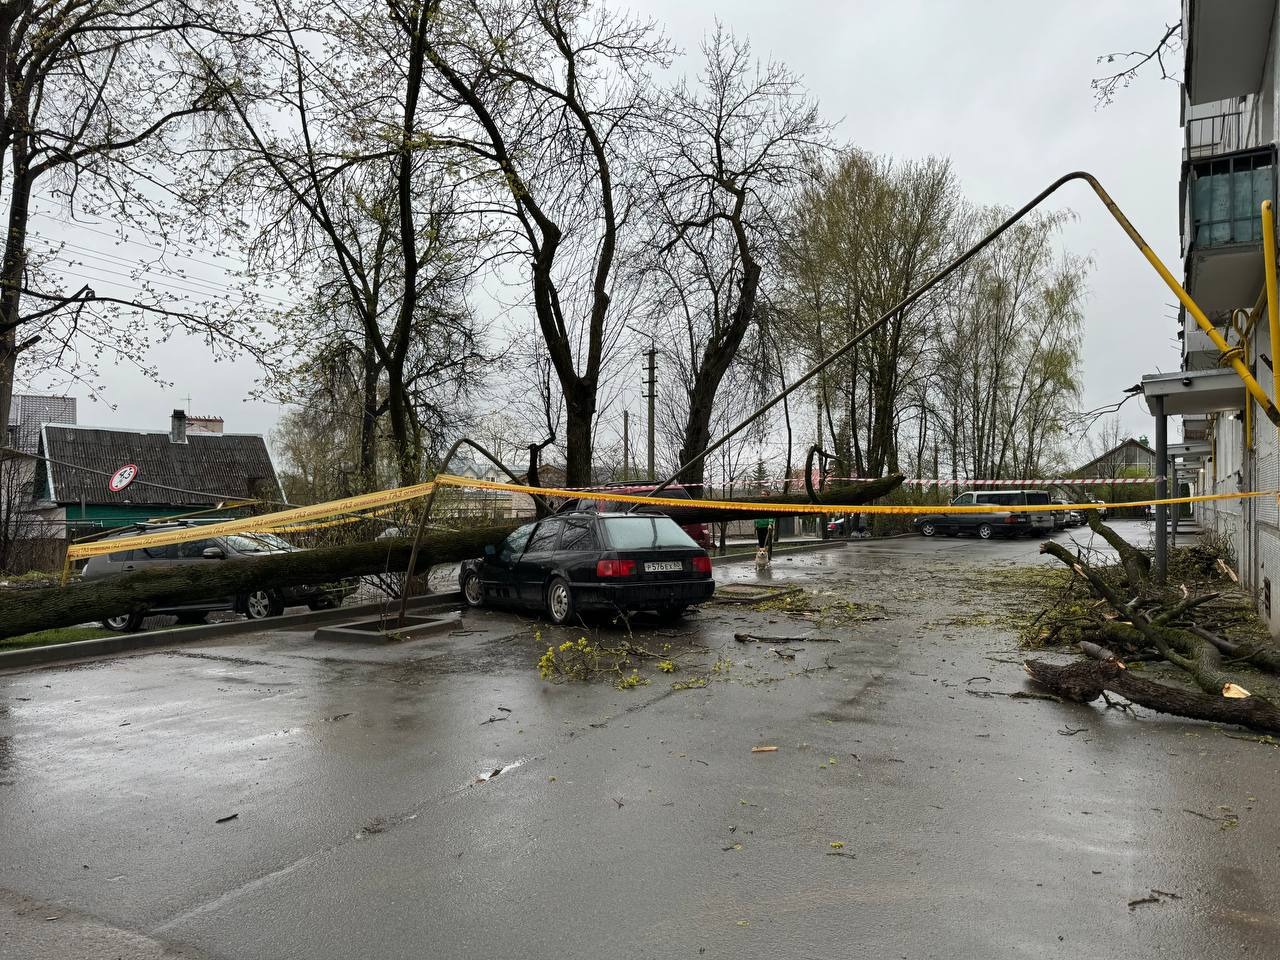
(866, 231)
(1006, 373)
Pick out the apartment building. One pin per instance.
(1230, 118)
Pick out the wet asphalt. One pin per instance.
(912, 808)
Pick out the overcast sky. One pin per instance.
(999, 86)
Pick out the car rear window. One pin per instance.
(645, 533)
(1037, 497)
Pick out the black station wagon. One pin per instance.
(579, 562)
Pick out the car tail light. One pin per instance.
(1013, 518)
(702, 564)
(615, 568)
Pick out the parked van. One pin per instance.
(1037, 522)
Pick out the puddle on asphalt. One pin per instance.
(499, 771)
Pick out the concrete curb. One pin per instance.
(125, 642)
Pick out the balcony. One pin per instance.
(1195, 428)
(1222, 227)
(1198, 351)
(1226, 47)
(1214, 134)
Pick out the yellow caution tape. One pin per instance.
(295, 520)
(267, 523)
(324, 524)
(777, 508)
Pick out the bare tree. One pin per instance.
(380, 222)
(730, 149)
(546, 96)
(96, 103)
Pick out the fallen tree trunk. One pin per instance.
(27, 611)
(1085, 681)
(83, 601)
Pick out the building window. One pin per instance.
(1226, 198)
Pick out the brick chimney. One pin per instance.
(178, 427)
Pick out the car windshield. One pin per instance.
(645, 533)
(257, 543)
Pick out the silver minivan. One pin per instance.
(255, 604)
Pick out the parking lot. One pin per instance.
(269, 796)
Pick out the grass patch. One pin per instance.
(31, 576)
(47, 638)
(821, 608)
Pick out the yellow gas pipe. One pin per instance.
(1273, 305)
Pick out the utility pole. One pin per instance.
(652, 357)
(626, 444)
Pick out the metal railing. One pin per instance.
(1215, 134)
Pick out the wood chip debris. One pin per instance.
(764, 749)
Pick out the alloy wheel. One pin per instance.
(258, 605)
(559, 601)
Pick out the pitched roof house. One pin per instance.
(178, 471)
(1132, 458)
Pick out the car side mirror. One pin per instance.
(490, 550)
(213, 553)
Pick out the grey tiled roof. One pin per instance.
(224, 465)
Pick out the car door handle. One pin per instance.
(127, 567)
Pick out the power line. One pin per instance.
(79, 276)
(114, 263)
(80, 225)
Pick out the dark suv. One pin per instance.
(254, 604)
(612, 562)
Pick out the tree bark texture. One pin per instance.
(1085, 681)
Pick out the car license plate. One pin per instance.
(663, 566)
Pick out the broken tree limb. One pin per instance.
(1096, 651)
(82, 601)
(1137, 565)
(1086, 680)
(1200, 657)
(1263, 656)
